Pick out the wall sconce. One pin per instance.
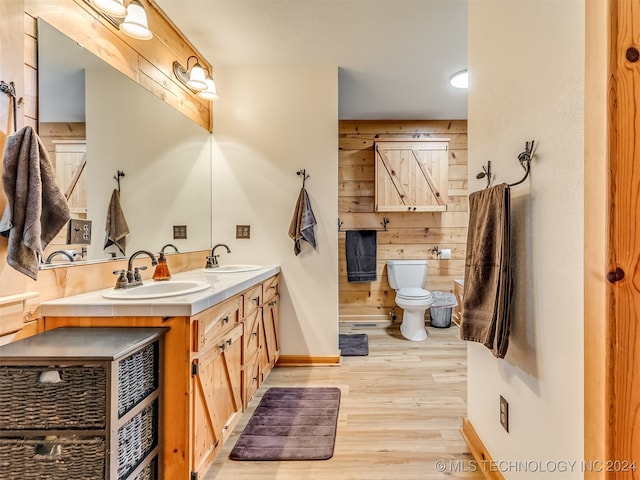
(130, 20)
(196, 79)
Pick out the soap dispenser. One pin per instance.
(162, 269)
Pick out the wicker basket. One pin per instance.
(137, 377)
(150, 472)
(136, 439)
(76, 401)
(64, 458)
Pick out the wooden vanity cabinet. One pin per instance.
(213, 364)
(261, 343)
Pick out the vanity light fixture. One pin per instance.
(135, 23)
(115, 8)
(195, 78)
(210, 92)
(460, 79)
(130, 20)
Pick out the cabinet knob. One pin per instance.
(256, 299)
(255, 334)
(229, 342)
(225, 319)
(222, 347)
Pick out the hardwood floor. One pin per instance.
(401, 411)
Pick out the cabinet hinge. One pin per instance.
(195, 369)
(194, 475)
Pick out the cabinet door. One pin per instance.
(270, 342)
(412, 176)
(216, 396)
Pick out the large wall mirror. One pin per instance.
(96, 122)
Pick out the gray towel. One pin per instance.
(117, 227)
(36, 208)
(302, 223)
(487, 277)
(361, 254)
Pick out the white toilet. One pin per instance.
(407, 277)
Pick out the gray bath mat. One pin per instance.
(353, 345)
(291, 424)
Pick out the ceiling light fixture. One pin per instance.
(115, 8)
(135, 24)
(460, 79)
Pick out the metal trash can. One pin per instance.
(441, 308)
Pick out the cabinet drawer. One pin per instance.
(53, 397)
(252, 299)
(251, 334)
(214, 322)
(271, 287)
(64, 458)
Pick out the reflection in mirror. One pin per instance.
(94, 122)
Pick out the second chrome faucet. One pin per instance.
(212, 260)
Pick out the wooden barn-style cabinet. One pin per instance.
(215, 361)
(412, 176)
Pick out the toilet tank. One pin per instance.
(407, 273)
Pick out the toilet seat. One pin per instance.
(413, 293)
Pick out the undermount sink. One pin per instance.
(232, 269)
(157, 290)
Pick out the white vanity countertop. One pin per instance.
(223, 286)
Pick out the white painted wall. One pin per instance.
(526, 63)
(269, 123)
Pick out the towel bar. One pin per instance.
(524, 158)
(384, 223)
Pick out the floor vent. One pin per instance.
(365, 325)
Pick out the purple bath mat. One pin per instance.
(353, 345)
(291, 424)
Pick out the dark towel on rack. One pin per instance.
(487, 278)
(117, 228)
(36, 208)
(302, 223)
(361, 252)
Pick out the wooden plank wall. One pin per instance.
(409, 235)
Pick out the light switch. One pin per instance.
(243, 231)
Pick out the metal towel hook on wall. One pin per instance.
(303, 172)
(10, 90)
(524, 158)
(117, 176)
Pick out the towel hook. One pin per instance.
(10, 90)
(117, 176)
(303, 172)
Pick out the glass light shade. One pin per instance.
(135, 24)
(460, 79)
(115, 8)
(197, 78)
(210, 92)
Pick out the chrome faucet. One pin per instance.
(131, 277)
(212, 260)
(59, 252)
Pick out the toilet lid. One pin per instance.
(414, 293)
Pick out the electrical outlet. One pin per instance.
(504, 413)
(79, 232)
